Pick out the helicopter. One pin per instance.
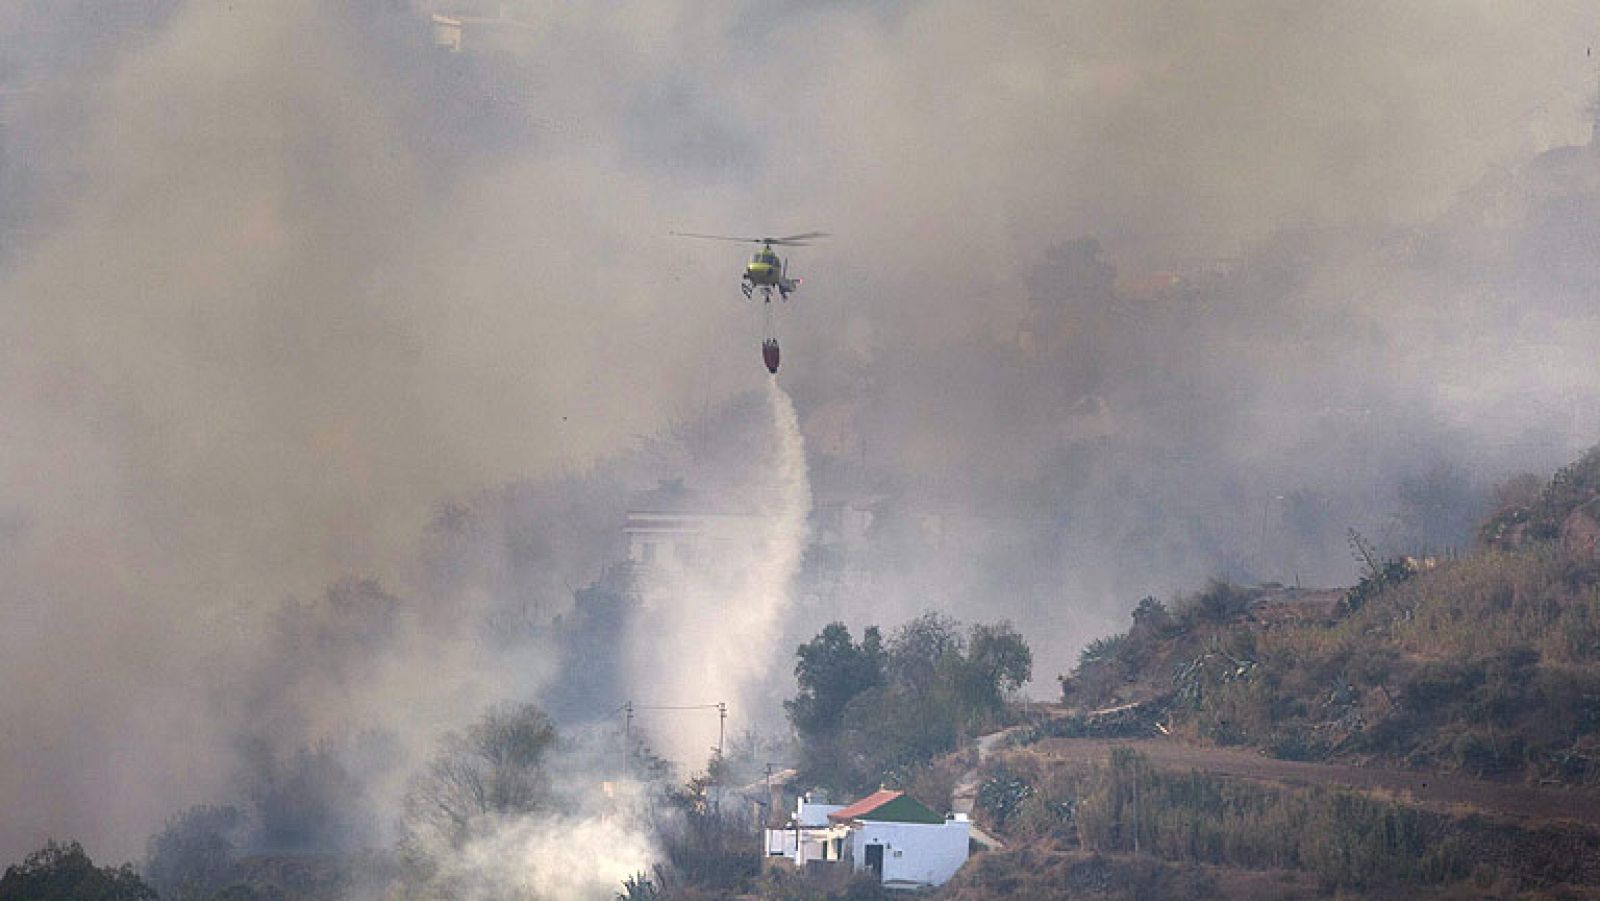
(766, 272)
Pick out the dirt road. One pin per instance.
(1458, 794)
(965, 795)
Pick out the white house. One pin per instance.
(888, 833)
(804, 838)
(678, 544)
(446, 33)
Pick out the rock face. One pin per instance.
(1580, 532)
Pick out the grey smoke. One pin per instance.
(280, 283)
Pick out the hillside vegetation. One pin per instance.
(1485, 667)
(1488, 664)
(1230, 837)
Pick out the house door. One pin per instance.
(875, 860)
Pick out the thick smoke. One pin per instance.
(330, 357)
(710, 631)
(585, 837)
(549, 857)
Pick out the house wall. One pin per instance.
(447, 33)
(809, 843)
(808, 813)
(781, 843)
(920, 853)
(832, 844)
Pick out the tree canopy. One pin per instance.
(831, 670)
(495, 767)
(63, 872)
(868, 713)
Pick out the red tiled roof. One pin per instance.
(864, 806)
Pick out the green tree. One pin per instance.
(65, 873)
(867, 715)
(920, 647)
(831, 670)
(998, 662)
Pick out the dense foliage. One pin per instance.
(1345, 840)
(1487, 663)
(832, 670)
(60, 872)
(871, 713)
(1128, 806)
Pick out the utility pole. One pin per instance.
(1261, 545)
(721, 707)
(1137, 813)
(772, 809)
(627, 740)
(1594, 107)
(722, 725)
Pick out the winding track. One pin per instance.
(1448, 793)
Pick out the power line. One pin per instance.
(629, 708)
(673, 706)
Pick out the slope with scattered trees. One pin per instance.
(1488, 664)
(1483, 670)
(872, 713)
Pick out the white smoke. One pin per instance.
(712, 626)
(550, 857)
(710, 631)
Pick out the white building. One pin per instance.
(888, 833)
(677, 545)
(479, 25)
(446, 33)
(803, 839)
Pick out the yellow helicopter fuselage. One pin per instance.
(764, 268)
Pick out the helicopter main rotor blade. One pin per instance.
(797, 239)
(717, 237)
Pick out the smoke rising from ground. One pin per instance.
(280, 283)
(550, 858)
(547, 831)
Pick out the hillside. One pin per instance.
(1434, 729)
(1487, 665)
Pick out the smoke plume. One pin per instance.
(332, 357)
(711, 630)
